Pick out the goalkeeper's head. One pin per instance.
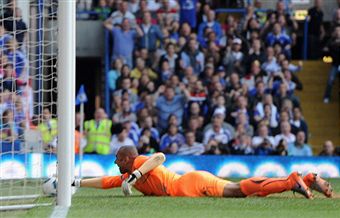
(125, 158)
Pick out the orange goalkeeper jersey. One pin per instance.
(156, 182)
(162, 182)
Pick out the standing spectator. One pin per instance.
(192, 57)
(334, 50)
(151, 34)
(171, 57)
(123, 40)
(316, 31)
(299, 147)
(191, 146)
(19, 60)
(188, 12)
(328, 149)
(169, 103)
(234, 57)
(122, 13)
(120, 138)
(98, 133)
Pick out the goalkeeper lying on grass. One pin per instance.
(149, 176)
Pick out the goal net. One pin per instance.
(28, 96)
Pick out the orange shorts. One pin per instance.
(198, 184)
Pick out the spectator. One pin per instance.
(151, 34)
(141, 69)
(126, 91)
(98, 133)
(147, 143)
(194, 126)
(171, 57)
(8, 82)
(18, 26)
(285, 134)
(148, 124)
(120, 138)
(265, 148)
(4, 38)
(9, 128)
(125, 114)
(102, 10)
(49, 130)
(234, 57)
(299, 123)
(242, 145)
(277, 37)
(281, 148)
(171, 138)
(316, 31)
(188, 12)
(169, 103)
(328, 149)
(334, 49)
(259, 113)
(211, 23)
(262, 134)
(191, 146)
(122, 13)
(192, 57)
(123, 40)
(114, 74)
(299, 147)
(18, 59)
(217, 132)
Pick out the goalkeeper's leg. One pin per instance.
(262, 186)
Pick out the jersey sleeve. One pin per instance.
(139, 161)
(113, 181)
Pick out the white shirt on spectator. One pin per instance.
(223, 136)
(289, 139)
(260, 110)
(257, 140)
(117, 17)
(115, 144)
(195, 149)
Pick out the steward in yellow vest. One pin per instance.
(98, 133)
(48, 128)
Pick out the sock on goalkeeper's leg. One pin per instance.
(262, 186)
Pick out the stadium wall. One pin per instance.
(44, 165)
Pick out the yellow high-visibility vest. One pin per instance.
(48, 132)
(98, 137)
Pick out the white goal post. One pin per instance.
(66, 99)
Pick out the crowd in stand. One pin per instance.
(183, 82)
(15, 87)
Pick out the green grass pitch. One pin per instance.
(112, 203)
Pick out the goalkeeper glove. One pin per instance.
(130, 181)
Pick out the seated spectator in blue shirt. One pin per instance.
(191, 146)
(193, 57)
(299, 147)
(151, 33)
(212, 23)
(171, 137)
(277, 37)
(169, 103)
